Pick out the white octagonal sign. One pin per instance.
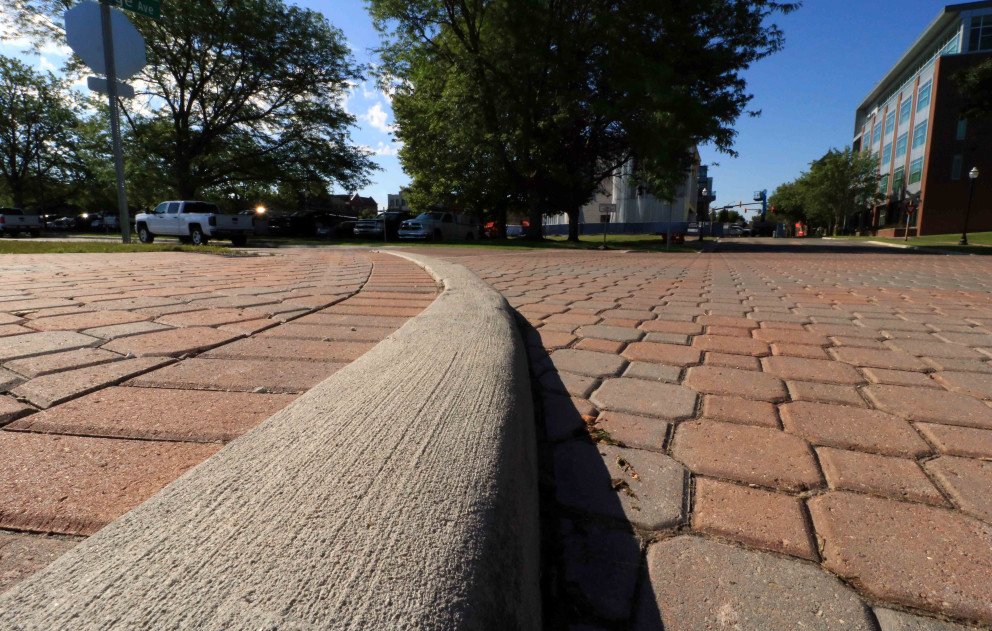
(84, 33)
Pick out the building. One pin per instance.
(396, 202)
(354, 205)
(636, 210)
(912, 121)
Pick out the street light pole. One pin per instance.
(704, 196)
(972, 176)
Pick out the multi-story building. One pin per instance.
(637, 211)
(912, 122)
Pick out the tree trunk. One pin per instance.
(501, 223)
(573, 224)
(535, 231)
(17, 192)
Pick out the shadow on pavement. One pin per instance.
(593, 566)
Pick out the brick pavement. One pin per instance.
(120, 372)
(761, 440)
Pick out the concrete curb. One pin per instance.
(401, 492)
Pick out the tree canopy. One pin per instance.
(38, 131)
(841, 183)
(532, 103)
(975, 85)
(237, 94)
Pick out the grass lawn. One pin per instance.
(11, 246)
(641, 243)
(978, 242)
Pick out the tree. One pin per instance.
(837, 185)
(975, 85)
(561, 93)
(236, 91)
(38, 124)
(789, 200)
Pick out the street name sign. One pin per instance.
(99, 84)
(148, 8)
(83, 28)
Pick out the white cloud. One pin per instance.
(383, 148)
(377, 117)
(45, 64)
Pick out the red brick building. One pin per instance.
(912, 122)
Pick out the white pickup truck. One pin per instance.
(13, 221)
(193, 222)
(440, 226)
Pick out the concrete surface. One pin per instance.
(398, 493)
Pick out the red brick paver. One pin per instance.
(128, 404)
(844, 407)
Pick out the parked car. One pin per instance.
(61, 223)
(440, 226)
(194, 222)
(13, 221)
(387, 223)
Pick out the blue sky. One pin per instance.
(835, 52)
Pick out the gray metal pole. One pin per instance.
(115, 121)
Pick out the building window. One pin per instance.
(951, 48)
(901, 144)
(956, 167)
(886, 155)
(920, 135)
(890, 123)
(962, 128)
(905, 110)
(981, 33)
(923, 100)
(898, 179)
(916, 170)
(876, 134)
(883, 184)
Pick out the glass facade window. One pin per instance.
(923, 99)
(956, 167)
(905, 110)
(876, 135)
(890, 123)
(916, 170)
(951, 48)
(883, 184)
(920, 135)
(962, 128)
(901, 144)
(886, 155)
(980, 36)
(898, 179)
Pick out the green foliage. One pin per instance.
(726, 215)
(975, 85)
(237, 94)
(38, 125)
(532, 103)
(837, 185)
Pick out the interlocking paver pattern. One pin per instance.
(113, 353)
(860, 440)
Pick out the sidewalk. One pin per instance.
(123, 371)
(762, 440)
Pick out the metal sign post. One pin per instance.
(115, 120)
(605, 210)
(110, 45)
